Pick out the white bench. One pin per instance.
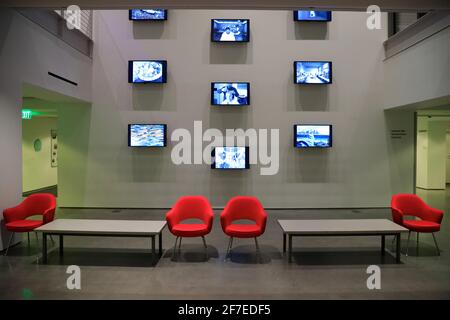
(341, 227)
(101, 228)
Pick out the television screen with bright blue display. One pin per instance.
(148, 14)
(312, 72)
(147, 135)
(230, 30)
(230, 158)
(312, 136)
(230, 93)
(147, 71)
(303, 15)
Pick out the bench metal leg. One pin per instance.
(383, 245)
(290, 249)
(153, 248)
(398, 249)
(160, 245)
(61, 245)
(44, 248)
(284, 242)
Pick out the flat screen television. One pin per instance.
(304, 15)
(147, 135)
(230, 158)
(230, 30)
(312, 136)
(147, 14)
(230, 93)
(147, 71)
(312, 72)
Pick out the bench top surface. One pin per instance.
(340, 226)
(92, 226)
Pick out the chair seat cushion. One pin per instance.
(243, 230)
(190, 230)
(421, 225)
(23, 225)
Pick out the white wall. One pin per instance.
(354, 173)
(448, 158)
(27, 53)
(37, 170)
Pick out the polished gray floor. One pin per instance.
(323, 268)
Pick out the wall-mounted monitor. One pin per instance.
(230, 93)
(229, 158)
(312, 72)
(147, 135)
(147, 14)
(303, 15)
(312, 136)
(147, 71)
(230, 30)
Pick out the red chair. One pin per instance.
(243, 208)
(190, 207)
(411, 205)
(36, 204)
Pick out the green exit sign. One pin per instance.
(27, 114)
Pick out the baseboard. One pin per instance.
(221, 208)
(48, 189)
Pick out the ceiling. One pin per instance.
(355, 5)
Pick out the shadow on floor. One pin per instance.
(103, 257)
(192, 253)
(247, 254)
(342, 256)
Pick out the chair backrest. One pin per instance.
(39, 203)
(410, 205)
(193, 207)
(245, 207)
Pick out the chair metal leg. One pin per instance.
(175, 247)
(417, 246)
(204, 242)
(37, 238)
(258, 252)
(179, 245)
(407, 243)
(51, 238)
(28, 236)
(230, 243)
(435, 243)
(9, 243)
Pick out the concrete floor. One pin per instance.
(323, 268)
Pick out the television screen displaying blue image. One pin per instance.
(303, 15)
(312, 136)
(230, 93)
(147, 135)
(312, 72)
(230, 158)
(147, 14)
(147, 71)
(230, 30)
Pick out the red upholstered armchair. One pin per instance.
(411, 205)
(243, 208)
(190, 207)
(15, 218)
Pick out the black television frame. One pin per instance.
(230, 105)
(247, 158)
(320, 84)
(130, 71)
(313, 124)
(130, 18)
(147, 124)
(217, 41)
(330, 16)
